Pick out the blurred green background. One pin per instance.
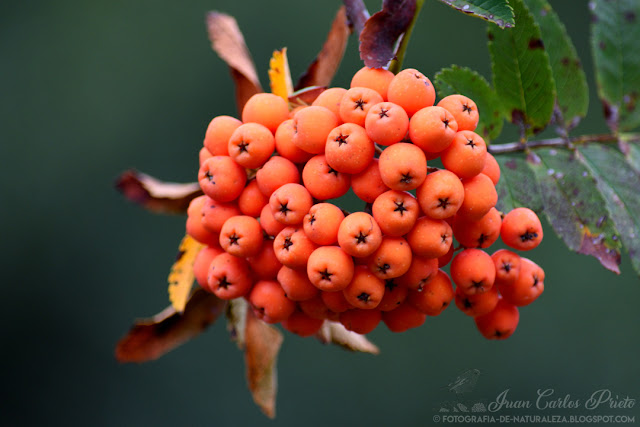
(89, 89)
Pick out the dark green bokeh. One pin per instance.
(89, 89)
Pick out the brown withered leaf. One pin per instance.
(156, 195)
(321, 71)
(262, 344)
(378, 39)
(228, 42)
(357, 14)
(335, 333)
(151, 338)
(236, 314)
(181, 275)
(306, 96)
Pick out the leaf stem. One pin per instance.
(396, 64)
(559, 142)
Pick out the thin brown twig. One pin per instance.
(558, 142)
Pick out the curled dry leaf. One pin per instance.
(155, 195)
(262, 344)
(378, 39)
(227, 41)
(151, 338)
(236, 314)
(321, 71)
(181, 275)
(357, 14)
(335, 333)
(279, 74)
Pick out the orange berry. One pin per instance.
(521, 229)
(499, 323)
(395, 212)
(322, 222)
(527, 287)
(221, 178)
(268, 223)
(214, 214)
(360, 321)
(290, 203)
(277, 172)
(391, 259)
(479, 197)
(251, 145)
(430, 238)
(202, 262)
(203, 155)
(359, 235)
(285, 146)
(386, 123)
(404, 317)
(420, 273)
(394, 295)
(466, 156)
(322, 181)
(477, 234)
(241, 236)
(330, 269)
(251, 200)
(296, 284)
(316, 309)
(445, 259)
(403, 167)
(269, 302)
(265, 264)
(368, 184)
(473, 271)
(377, 79)
(335, 301)
(229, 277)
(312, 126)
(195, 224)
(477, 304)
(302, 325)
(331, 99)
(432, 129)
(434, 297)
(440, 195)
(355, 104)
(463, 109)
(507, 266)
(365, 291)
(411, 90)
(266, 109)
(293, 247)
(492, 169)
(219, 131)
(348, 149)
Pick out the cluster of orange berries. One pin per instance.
(273, 239)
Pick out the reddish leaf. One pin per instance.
(378, 39)
(151, 338)
(306, 96)
(227, 41)
(357, 14)
(324, 67)
(335, 333)
(155, 195)
(262, 343)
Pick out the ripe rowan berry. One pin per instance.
(195, 224)
(335, 301)
(275, 173)
(365, 290)
(466, 156)
(521, 229)
(477, 304)
(395, 212)
(221, 178)
(492, 169)
(265, 264)
(430, 238)
(296, 284)
(391, 259)
(229, 276)
(368, 184)
(203, 155)
(330, 269)
(285, 146)
(215, 213)
(241, 236)
(527, 287)
(507, 266)
(251, 145)
(219, 131)
(359, 235)
(404, 317)
(251, 200)
(266, 109)
(479, 197)
(269, 223)
(349, 149)
(290, 203)
(473, 271)
(394, 295)
(293, 247)
(435, 295)
(403, 167)
(432, 129)
(463, 109)
(421, 271)
(202, 262)
(360, 321)
(322, 181)
(301, 324)
(499, 323)
(355, 104)
(386, 123)
(477, 234)
(440, 195)
(316, 308)
(312, 126)
(377, 79)
(322, 222)
(331, 99)
(411, 90)
(269, 302)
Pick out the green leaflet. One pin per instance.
(517, 186)
(497, 11)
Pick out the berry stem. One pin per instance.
(396, 64)
(560, 142)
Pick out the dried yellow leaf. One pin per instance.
(280, 75)
(181, 275)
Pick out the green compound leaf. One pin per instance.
(571, 83)
(619, 184)
(469, 83)
(517, 186)
(497, 11)
(521, 71)
(616, 53)
(574, 206)
(633, 157)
